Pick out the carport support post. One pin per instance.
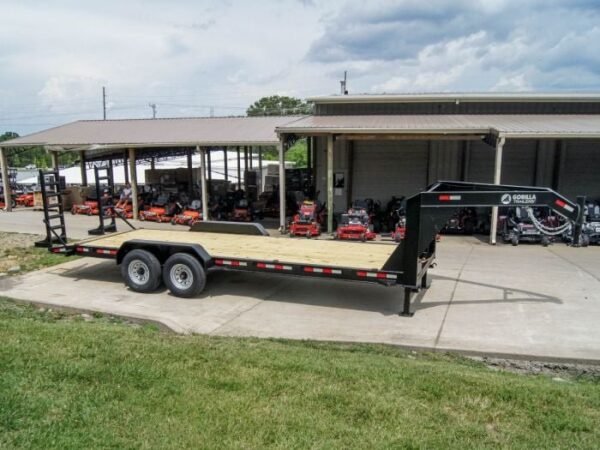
(282, 205)
(239, 170)
(5, 180)
(260, 170)
(330, 183)
(134, 184)
(203, 182)
(84, 180)
(225, 164)
(54, 158)
(497, 177)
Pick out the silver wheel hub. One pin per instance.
(139, 272)
(181, 276)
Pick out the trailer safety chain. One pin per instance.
(547, 230)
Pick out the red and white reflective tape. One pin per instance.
(59, 250)
(378, 275)
(83, 250)
(228, 262)
(273, 266)
(447, 198)
(564, 205)
(102, 251)
(323, 270)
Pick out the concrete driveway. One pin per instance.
(520, 301)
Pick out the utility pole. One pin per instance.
(153, 106)
(343, 85)
(103, 103)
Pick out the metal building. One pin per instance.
(384, 145)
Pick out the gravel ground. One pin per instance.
(557, 370)
(11, 241)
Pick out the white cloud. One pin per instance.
(187, 56)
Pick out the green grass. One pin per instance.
(65, 383)
(25, 255)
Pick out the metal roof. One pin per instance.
(177, 132)
(461, 97)
(508, 125)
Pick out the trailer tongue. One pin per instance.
(181, 259)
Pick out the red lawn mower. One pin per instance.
(25, 199)
(355, 225)
(242, 212)
(190, 215)
(307, 221)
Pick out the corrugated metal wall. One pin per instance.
(328, 109)
(580, 169)
(380, 169)
(386, 168)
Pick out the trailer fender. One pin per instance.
(163, 250)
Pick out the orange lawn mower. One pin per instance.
(162, 210)
(25, 199)
(88, 207)
(355, 226)
(306, 222)
(190, 215)
(124, 208)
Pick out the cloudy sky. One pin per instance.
(194, 58)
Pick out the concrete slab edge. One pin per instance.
(163, 325)
(170, 326)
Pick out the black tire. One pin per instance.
(141, 272)
(514, 240)
(545, 241)
(397, 238)
(184, 276)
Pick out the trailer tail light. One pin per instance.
(229, 262)
(378, 275)
(273, 266)
(102, 251)
(323, 270)
(83, 250)
(564, 205)
(449, 198)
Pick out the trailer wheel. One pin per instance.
(184, 275)
(141, 271)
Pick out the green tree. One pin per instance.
(277, 105)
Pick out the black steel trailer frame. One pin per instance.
(407, 265)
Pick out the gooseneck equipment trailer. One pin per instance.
(181, 259)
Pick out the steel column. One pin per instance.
(282, 196)
(330, 183)
(134, 184)
(497, 177)
(260, 170)
(125, 168)
(203, 182)
(5, 180)
(225, 163)
(54, 158)
(190, 174)
(84, 180)
(239, 169)
(209, 171)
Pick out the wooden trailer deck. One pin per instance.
(358, 255)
